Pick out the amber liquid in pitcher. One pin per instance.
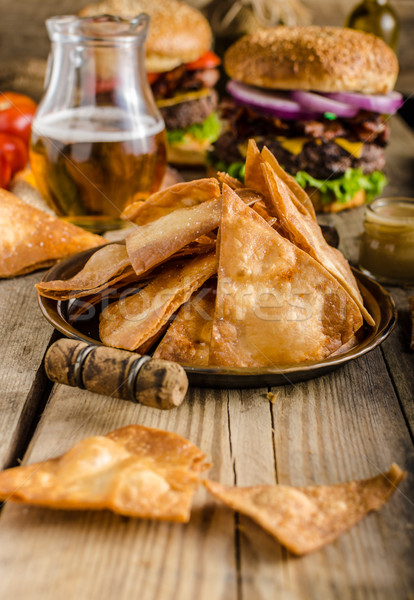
(88, 176)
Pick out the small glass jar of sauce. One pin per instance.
(387, 243)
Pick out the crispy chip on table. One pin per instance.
(306, 518)
(32, 239)
(135, 471)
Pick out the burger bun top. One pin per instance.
(178, 33)
(324, 59)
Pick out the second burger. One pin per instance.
(182, 72)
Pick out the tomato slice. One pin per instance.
(208, 60)
(15, 150)
(152, 77)
(16, 114)
(5, 170)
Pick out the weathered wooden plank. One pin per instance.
(398, 356)
(251, 427)
(24, 336)
(87, 555)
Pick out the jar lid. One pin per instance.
(396, 210)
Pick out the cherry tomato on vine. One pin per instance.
(16, 114)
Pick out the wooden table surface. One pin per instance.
(352, 423)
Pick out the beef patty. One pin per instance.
(183, 114)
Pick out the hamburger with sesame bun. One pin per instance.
(319, 99)
(182, 72)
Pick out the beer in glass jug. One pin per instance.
(98, 141)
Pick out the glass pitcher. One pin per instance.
(98, 141)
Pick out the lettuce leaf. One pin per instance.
(209, 130)
(343, 188)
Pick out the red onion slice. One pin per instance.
(381, 103)
(323, 104)
(278, 104)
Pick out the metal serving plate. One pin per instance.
(377, 300)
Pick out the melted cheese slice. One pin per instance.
(179, 98)
(295, 145)
(354, 148)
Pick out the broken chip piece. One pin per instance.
(135, 471)
(304, 519)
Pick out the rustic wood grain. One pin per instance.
(24, 336)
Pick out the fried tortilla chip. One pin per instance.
(31, 239)
(275, 304)
(181, 195)
(151, 244)
(232, 182)
(304, 519)
(254, 177)
(305, 232)
(107, 266)
(134, 320)
(135, 471)
(201, 245)
(187, 340)
(297, 194)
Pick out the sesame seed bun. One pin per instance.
(178, 33)
(324, 59)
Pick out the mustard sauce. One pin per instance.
(387, 243)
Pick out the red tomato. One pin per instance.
(16, 99)
(152, 77)
(15, 150)
(208, 60)
(5, 170)
(16, 114)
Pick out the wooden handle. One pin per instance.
(411, 311)
(118, 373)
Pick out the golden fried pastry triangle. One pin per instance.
(187, 340)
(105, 267)
(296, 219)
(153, 243)
(305, 232)
(180, 195)
(254, 178)
(275, 304)
(32, 239)
(306, 518)
(135, 471)
(132, 321)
